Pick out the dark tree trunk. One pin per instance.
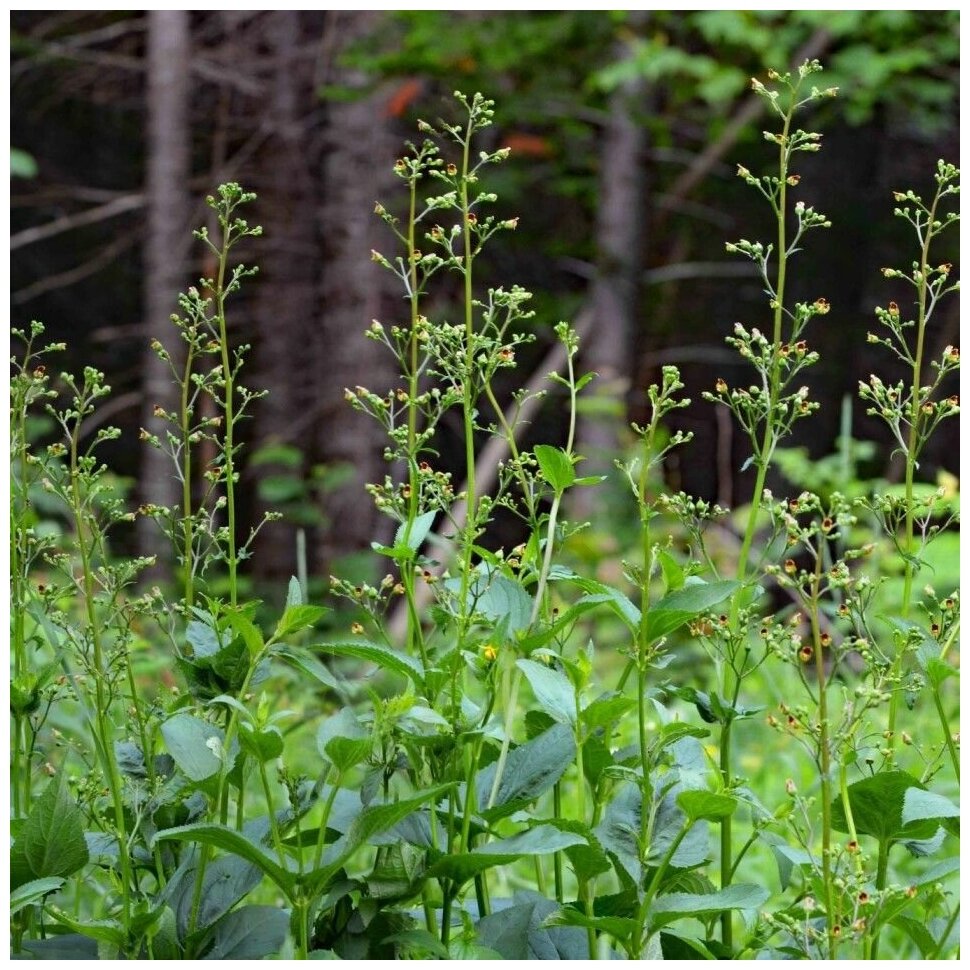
(360, 151)
(286, 308)
(608, 346)
(166, 247)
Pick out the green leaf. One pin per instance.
(517, 932)
(33, 892)
(108, 931)
(249, 933)
(917, 932)
(919, 805)
(310, 665)
(371, 822)
(675, 906)
(552, 689)
(264, 744)
(877, 808)
(501, 599)
(195, 745)
(711, 806)
(413, 538)
(541, 840)
(294, 593)
(70, 946)
(51, 841)
(619, 927)
(672, 571)
(343, 740)
(228, 839)
(530, 769)
(376, 653)
(243, 627)
(556, 466)
(607, 711)
(297, 618)
(693, 599)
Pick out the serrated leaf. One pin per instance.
(502, 600)
(877, 808)
(619, 927)
(51, 841)
(376, 653)
(552, 690)
(556, 467)
(310, 665)
(297, 618)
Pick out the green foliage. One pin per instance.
(495, 719)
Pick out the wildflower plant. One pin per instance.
(487, 788)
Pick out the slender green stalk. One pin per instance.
(912, 448)
(188, 531)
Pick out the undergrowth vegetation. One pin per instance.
(746, 746)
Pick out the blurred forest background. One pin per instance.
(626, 130)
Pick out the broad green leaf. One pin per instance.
(249, 933)
(108, 931)
(707, 805)
(917, 932)
(517, 932)
(264, 744)
(502, 599)
(691, 600)
(51, 841)
(556, 466)
(607, 711)
(676, 906)
(552, 689)
(376, 653)
(246, 630)
(586, 858)
(877, 808)
(343, 740)
(33, 892)
(70, 946)
(672, 570)
(531, 769)
(228, 839)
(419, 944)
(195, 745)
(541, 840)
(619, 602)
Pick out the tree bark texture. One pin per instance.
(360, 150)
(166, 247)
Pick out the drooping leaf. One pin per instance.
(552, 690)
(531, 769)
(376, 653)
(228, 839)
(919, 804)
(33, 892)
(249, 933)
(619, 927)
(309, 665)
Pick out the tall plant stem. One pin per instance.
(882, 868)
(232, 560)
(912, 449)
(768, 442)
(825, 758)
(188, 539)
(105, 741)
